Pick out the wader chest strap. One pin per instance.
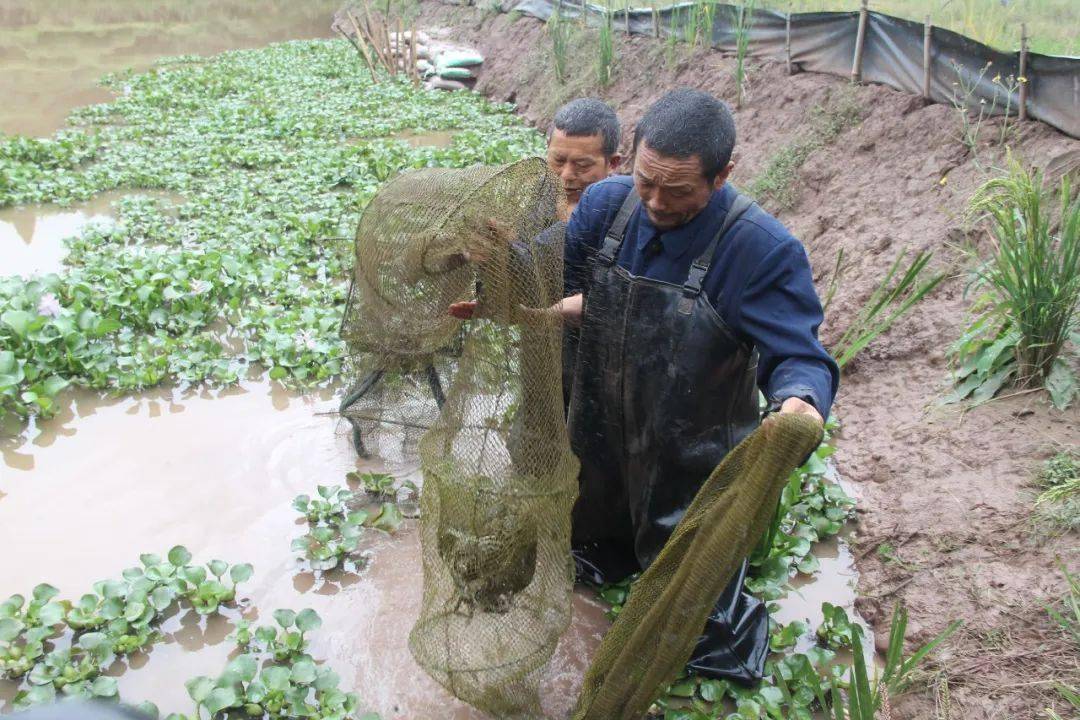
(614, 238)
(700, 268)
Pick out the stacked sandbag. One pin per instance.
(452, 68)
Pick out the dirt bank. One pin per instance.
(945, 508)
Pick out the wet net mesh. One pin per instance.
(654, 635)
(480, 405)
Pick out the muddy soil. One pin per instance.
(945, 514)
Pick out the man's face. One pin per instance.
(673, 190)
(580, 161)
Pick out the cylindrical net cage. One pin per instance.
(499, 476)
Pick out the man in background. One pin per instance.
(583, 145)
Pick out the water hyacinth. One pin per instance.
(271, 155)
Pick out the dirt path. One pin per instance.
(945, 514)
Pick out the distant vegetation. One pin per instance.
(1052, 24)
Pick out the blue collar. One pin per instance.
(697, 232)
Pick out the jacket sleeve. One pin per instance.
(780, 312)
(585, 232)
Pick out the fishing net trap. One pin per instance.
(480, 405)
(477, 405)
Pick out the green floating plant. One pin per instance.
(116, 618)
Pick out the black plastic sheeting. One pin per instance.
(963, 72)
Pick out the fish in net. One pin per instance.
(479, 405)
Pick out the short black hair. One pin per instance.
(687, 122)
(589, 116)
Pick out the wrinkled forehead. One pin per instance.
(575, 145)
(662, 169)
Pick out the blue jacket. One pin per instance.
(759, 281)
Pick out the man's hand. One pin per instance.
(796, 406)
(568, 309)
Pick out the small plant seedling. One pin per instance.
(836, 628)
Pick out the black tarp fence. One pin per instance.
(963, 72)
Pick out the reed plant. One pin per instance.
(894, 297)
(743, 22)
(1031, 289)
(558, 29)
(605, 60)
(866, 700)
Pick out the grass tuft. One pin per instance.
(1031, 290)
(776, 184)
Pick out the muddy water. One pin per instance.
(82, 495)
(52, 52)
(32, 238)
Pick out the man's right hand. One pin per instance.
(569, 309)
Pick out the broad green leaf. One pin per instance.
(303, 672)
(218, 567)
(220, 699)
(44, 592)
(241, 573)
(18, 320)
(1061, 384)
(199, 688)
(162, 598)
(389, 518)
(275, 678)
(285, 617)
(179, 556)
(244, 667)
(104, 687)
(308, 620)
(10, 629)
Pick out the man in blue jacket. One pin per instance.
(690, 298)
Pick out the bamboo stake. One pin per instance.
(926, 60)
(373, 35)
(1023, 71)
(655, 21)
(389, 52)
(401, 48)
(787, 43)
(361, 46)
(412, 54)
(860, 41)
(626, 19)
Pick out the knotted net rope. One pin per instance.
(499, 479)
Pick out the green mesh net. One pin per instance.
(480, 405)
(654, 635)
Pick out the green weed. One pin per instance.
(558, 30)
(776, 184)
(115, 619)
(743, 22)
(1030, 291)
(605, 49)
(894, 296)
(273, 677)
(335, 527)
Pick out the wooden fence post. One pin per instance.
(1023, 80)
(926, 60)
(860, 41)
(655, 21)
(787, 43)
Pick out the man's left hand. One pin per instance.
(797, 406)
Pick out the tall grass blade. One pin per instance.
(888, 303)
